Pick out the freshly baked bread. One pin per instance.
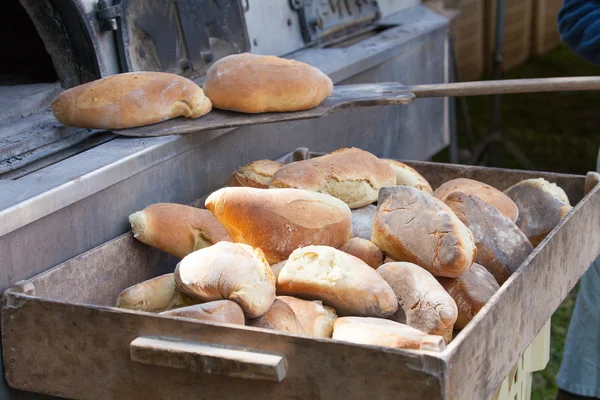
(591, 180)
(470, 291)
(414, 226)
(362, 221)
(293, 315)
(352, 175)
(255, 174)
(383, 332)
(388, 260)
(177, 229)
(129, 100)
(225, 311)
(501, 246)
(278, 221)
(154, 295)
(228, 271)
(427, 306)
(408, 176)
(485, 192)
(252, 83)
(339, 280)
(542, 205)
(276, 268)
(365, 250)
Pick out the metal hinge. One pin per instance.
(107, 15)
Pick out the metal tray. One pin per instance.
(61, 335)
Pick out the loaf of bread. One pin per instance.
(383, 332)
(365, 250)
(224, 311)
(408, 176)
(177, 229)
(276, 268)
(278, 221)
(228, 271)
(414, 226)
(129, 100)
(501, 246)
(289, 314)
(542, 205)
(255, 174)
(485, 192)
(339, 280)
(591, 180)
(471, 291)
(352, 175)
(154, 295)
(427, 306)
(253, 83)
(362, 221)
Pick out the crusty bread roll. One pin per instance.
(129, 100)
(427, 306)
(276, 268)
(352, 175)
(225, 311)
(154, 295)
(177, 229)
(408, 176)
(231, 271)
(255, 174)
(414, 226)
(340, 280)
(362, 221)
(365, 250)
(485, 192)
(591, 180)
(278, 221)
(293, 315)
(252, 83)
(383, 332)
(542, 205)
(501, 246)
(388, 260)
(471, 290)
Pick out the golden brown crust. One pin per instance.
(485, 192)
(252, 83)
(352, 175)
(154, 295)
(177, 229)
(408, 176)
(224, 311)
(129, 100)
(256, 174)
(280, 220)
(365, 250)
(413, 226)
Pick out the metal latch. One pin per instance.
(107, 16)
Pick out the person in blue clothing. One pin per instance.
(579, 375)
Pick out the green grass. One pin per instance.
(558, 132)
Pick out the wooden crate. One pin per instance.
(544, 24)
(62, 336)
(517, 32)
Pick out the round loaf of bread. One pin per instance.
(154, 295)
(252, 83)
(365, 250)
(408, 176)
(129, 100)
(255, 174)
(225, 311)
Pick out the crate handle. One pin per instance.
(208, 358)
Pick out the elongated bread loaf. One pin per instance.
(408, 176)
(177, 229)
(154, 295)
(255, 174)
(228, 271)
(129, 100)
(225, 311)
(352, 175)
(293, 315)
(427, 306)
(485, 192)
(278, 221)
(365, 250)
(542, 205)
(253, 83)
(383, 332)
(501, 246)
(362, 221)
(471, 291)
(339, 280)
(413, 226)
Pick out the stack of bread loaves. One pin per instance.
(302, 248)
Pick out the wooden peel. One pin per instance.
(364, 95)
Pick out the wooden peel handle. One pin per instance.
(207, 358)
